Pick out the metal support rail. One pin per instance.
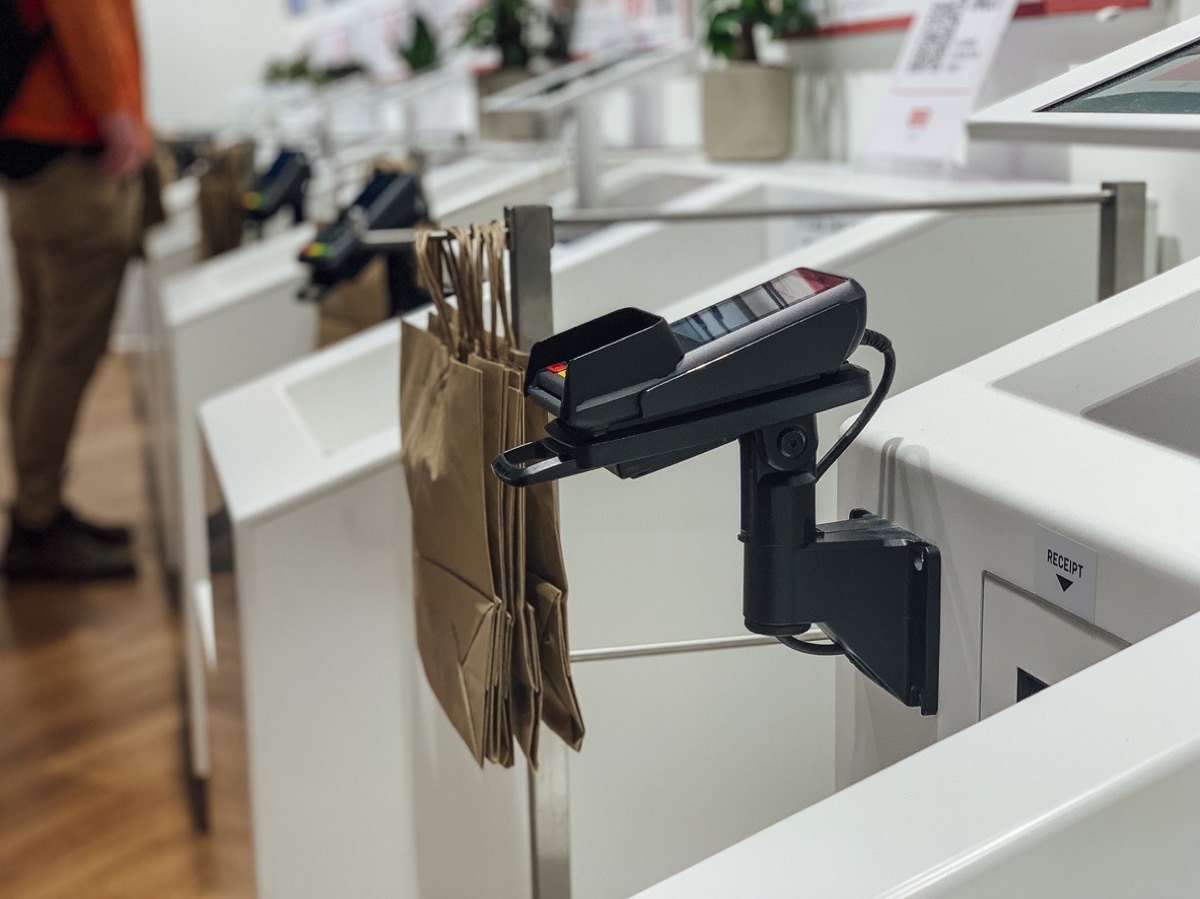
(1122, 252)
(679, 647)
(400, 237)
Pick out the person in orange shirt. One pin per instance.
(73, 141)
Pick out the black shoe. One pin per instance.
(64, 551)
(104, 532)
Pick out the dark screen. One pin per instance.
(738, 311)
(1169, 84)
(282, 161)
(374, 190)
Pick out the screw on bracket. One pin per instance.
(793, 443)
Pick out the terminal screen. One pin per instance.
(736, 312)
(279, 166)
(1169, 84)
(374, 190)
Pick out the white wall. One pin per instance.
(198, 55)
(202, 54)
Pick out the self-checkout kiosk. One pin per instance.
(1143, 95)
(310, 533)
(1057, 476)
(1052, 562)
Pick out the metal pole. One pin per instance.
(530, 238)
(960, 204)
(1122, 237)
(550, 820)
(587, 154)
(685, 646)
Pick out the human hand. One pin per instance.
(123, 153)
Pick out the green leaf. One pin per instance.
(422, 53)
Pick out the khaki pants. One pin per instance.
(74, 231)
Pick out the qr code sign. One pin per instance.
(940, 25)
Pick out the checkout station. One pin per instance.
(318, 518)
(1011, 507)
(1073, 569)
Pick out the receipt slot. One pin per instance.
(634, 394)
(336, 255)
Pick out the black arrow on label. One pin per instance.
(1064, 583)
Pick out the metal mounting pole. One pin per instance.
(550, 820)
(530, 238)
(1122, 237)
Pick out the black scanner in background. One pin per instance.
(336, 255)
(633, 393)
(282, 186)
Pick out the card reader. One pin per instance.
(633, 394)
(281, 187)
(390, 200)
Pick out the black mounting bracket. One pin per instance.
(873, 587)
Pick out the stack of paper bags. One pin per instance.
(490, 586)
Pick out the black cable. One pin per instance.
(875, 341)
(812, 649)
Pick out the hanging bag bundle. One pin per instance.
(489, 582)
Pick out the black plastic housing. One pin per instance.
(336, 255)
(628, 367)
(281, 187)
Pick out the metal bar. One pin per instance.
(684, 646)
(588, 139)
(619, 216)
(530, 239)
(550, 819)
(400, 237)
(1122, 238)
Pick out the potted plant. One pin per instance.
(747, 106)
(528, 38)
(300, 70)
(421, 53)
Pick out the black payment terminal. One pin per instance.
(282, 186)
(630, 367)
(336, 255)
(633, 394)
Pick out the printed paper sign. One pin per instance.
(1065, 574)
(851, 16)
(942, 65)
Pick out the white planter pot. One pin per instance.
(747, 111)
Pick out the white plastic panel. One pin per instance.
(688, 754)
(340, 406)
(1023, 633)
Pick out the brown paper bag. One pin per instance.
(354, 306)
(490, 589)
(546, 589)
(227, 175)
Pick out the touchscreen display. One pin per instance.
(374, 190)
(1169, 84)
(738, 311)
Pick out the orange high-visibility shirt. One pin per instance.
(89, 67)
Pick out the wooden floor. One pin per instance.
(91, 798)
